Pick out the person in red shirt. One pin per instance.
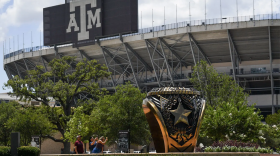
(79, 145)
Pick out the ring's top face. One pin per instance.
(180, 110)
(173, 90)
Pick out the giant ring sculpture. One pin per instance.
(174, 115)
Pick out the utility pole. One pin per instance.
(205, 11)
(221, 14)
(221, 10)
(18, 41)
(141, 22)
(3, 49)
(271, 9)
(153, 18)
(23, 41)
(190, 12)
(237, 9)
(40, 41)
(164, 16)
(237, 13)
(164, 22)
(254, 9)
(176, 14)
(176, 20)
(31, 40)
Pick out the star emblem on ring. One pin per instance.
(181, 114)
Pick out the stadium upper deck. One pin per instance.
(249, 50)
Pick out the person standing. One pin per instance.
(79, 145)
(92, 143)
(100, 145)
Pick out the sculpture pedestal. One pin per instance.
(174, 115)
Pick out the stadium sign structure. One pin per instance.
(81, 22)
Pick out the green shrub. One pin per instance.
(237, 149)
(5, 151)
(28, 151)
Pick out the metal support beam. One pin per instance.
(271, 76)
(8, 72)
(139, 57)
(132, 67)
(192, 50)
(43, 61)
(107, 66)
(231, 57)
(26, 64)
(151, 58)
(28, 61)
(173, 52)
(129, 59)
(19, 74)
(56, 50)
(234, 46)
(83, 54)
(113, 57)
(201, 51)
(151, 44)
(167, 65)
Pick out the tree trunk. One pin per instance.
(66, 149)
(66, 144)
(5, 139)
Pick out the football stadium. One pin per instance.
(246, 48)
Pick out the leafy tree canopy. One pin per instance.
(120, 111)
(64, 83)
(232, 121)
(30, 121)
(215, 87)
(7, 111)
(227, 115)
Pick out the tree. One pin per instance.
(62, 84)
(215, 87)
(29, 121)
(273, 119)
(227, 114)
(7, 111)
(120, 111)
(273, 127)
(230, 121)
(80, 124)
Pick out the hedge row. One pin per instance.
(237, 149)
(5, 151)
(22, 151)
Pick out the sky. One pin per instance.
(21, 20)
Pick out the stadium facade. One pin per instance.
(245, 48)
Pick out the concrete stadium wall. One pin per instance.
(263, 100)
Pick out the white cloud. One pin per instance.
(3, 3)
(23, 12)
(245, 8)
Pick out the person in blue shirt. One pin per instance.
(100, 145)
(92, 143)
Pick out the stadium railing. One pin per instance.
(251, 18)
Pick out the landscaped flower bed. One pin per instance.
(234, 146)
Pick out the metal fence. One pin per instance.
(251, 18)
